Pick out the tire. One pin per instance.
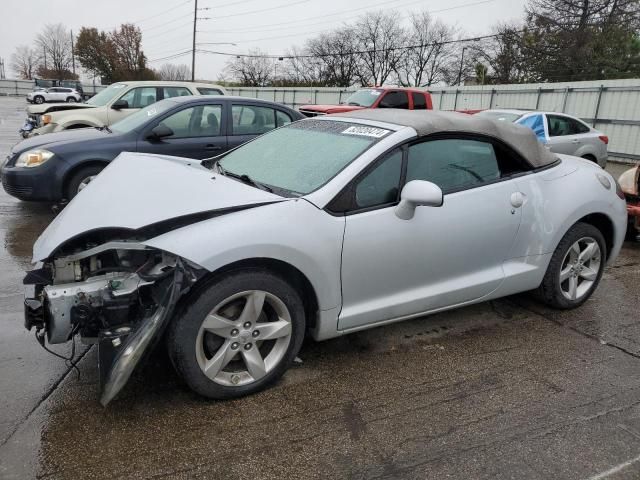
(80, 179)
(591, 158)
(565, 262)
(194, 349)
(71, 100)
(39, 99)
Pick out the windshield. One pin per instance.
(302, 156)
(364, 98)
(501, 116)
(103, 97)
(142, 116)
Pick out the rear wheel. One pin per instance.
(81, 179)
(71, 100)
(575, 268)
(591, 158)
(238, 334)
(39, 99)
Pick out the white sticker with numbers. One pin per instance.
(366, 131)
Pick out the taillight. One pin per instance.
(604, 139)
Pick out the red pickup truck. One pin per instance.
(375, 97)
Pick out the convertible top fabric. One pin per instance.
(428, 122)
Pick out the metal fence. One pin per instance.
(22, 87)
(612, 106)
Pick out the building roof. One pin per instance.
(428, 122)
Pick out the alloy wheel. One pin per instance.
(85, 182)
(243, 338)
(580, 268)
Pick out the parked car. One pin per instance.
(561, 132)
(41, 83)
(112, 104)
(54, 94)
(328, 226)
(57, 166)
(630, 184)
(378, 97)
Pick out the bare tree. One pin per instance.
(252, 71)
(503, 55)
(128, 47)
(434, 57)
(335, 55)
(301, 69)
(379, 40)
(169, 71)
(25, 62)
(55, 44)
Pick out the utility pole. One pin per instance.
(193, 52)
(44, 50)
(2, 69)
(461, 65)
(73, 55)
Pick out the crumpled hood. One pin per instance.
(137, 190)
(56, 107)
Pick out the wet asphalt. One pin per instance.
(505, 389)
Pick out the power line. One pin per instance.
(264, 9)
(168, 22)
(161, 13)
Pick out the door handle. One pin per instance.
(517, 199)
(211, 147)
(575, 141)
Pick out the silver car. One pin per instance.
(323, 227)
(54, 94)
(562, 133)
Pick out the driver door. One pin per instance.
(136, 99)
(198, 132)
(443, 256)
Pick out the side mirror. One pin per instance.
(418, 193)
(120, 104)
(160, 131)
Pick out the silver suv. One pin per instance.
(54, 94)
(562, 133)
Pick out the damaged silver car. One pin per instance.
(324, 227)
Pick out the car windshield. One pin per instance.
(103, 97)
(501, 116)
(364, 98)
(303, 156)
(142, 116)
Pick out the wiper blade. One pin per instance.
(246, 179)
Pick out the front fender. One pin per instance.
(294, 232)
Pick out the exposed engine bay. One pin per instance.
(118, 295)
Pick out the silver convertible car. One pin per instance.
(323, 227)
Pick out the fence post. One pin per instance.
(455, 100)
(315, 97)
(257, 93)
(339, 97)
(294, 99)
(538, 98)
(16, 83)
(493, 91)
(564, 100)
(441, 96)
(595, 115)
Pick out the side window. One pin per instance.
(419, 102)
(168, 92)
(209, 91)
(140, 97)
(560, 126)
(282, 119)
(535, 123)
(381, 185)
(252, 120)
(578, 127)
(453, 164)
(200, 121)
(394, 99)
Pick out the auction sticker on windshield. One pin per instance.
(366, 131)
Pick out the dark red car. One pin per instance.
(375, 97)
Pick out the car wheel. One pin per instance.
(39, 99)
(71, 100)
(575, 268)
(238, 334)
(591, 158)
(81, 179)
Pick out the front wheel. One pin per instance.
(38, 99)
(71, 100)
(575, 268)
(81, 179)
(238, 334)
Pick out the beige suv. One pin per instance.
(112, 104)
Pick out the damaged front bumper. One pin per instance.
(119, 295)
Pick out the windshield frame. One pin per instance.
(114, 87)
(285, 192)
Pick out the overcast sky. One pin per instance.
(271, 25)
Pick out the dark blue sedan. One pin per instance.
(57, 166)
